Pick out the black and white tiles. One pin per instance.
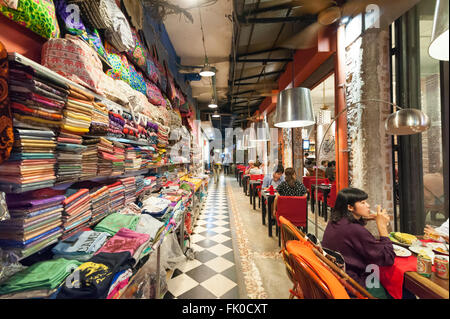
(212, 274)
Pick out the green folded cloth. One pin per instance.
(114, 222)
(42, 275)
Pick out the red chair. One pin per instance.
(331, 200)
(294, 209)
(255, 177)
(319, 192)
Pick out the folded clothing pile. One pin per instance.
(44, 275)
(116, 124)
(35, 100)
(133, 158)
(77, 211)
(163, 136)
(150, 183)
(117, 196)
(89, 157)
(69, 155)
(32, 160)
(118, 159)
(77, 116)
(139, 185)
(127, 240)
(130, 189)
(100, 119)
(156, 206)
(147, 156)
(34, 224)
(111, 224)
(100, 199)
(80, 246)
(105, 156)
(119, 283)
(149, 225)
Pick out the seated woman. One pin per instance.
(290, 187)
(256, 169)
(346, 234)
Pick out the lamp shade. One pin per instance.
(294, 108)
(407, 122)
(438, 48)
(216, 114)
(212, 105)
(207, 71)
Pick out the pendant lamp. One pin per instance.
(207, 71)
(216, 114)
(294, 108)
(406, 122)
(212, 104)
(438, 48)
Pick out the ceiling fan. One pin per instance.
(329, 12)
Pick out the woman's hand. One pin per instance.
(382, 219)
(429, 230)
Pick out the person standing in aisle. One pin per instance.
(217, 166)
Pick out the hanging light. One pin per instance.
(406, 122)
(212, 104)
(438, 48)
(216, 114)
(294, 108)
(208, 71)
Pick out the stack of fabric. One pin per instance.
(147, 156)
(155, 206)
(130, 189)
(35, 100)
(80, 246)
(100, 120)
(100, 203)
(89, 157)
(111, 224)
(69, 164)
(31, 163)
(133, 158)
(77, 116)
(163, 136)
(106, 156)
(39, 280)
(139, 185)
(150, 183)
(117, 196)
(116, 124)
(77, 211)
(34, 224)
(118, 161)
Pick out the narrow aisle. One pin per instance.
(212, 274)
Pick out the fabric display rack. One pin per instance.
(91, 192)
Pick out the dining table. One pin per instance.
(403, 275)
(267, 199)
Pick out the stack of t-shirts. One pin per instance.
(96, 276)
(150, 183)
(100, 203)
(116, 124)
(130, 189)
(34, 224)
(119, 283)
(149, 225)
(111, 224)
(118, 162)
(40, 279)
(80, 246)
(117, 196)
(133, 159)
(89, 157)
(105, 156)
(77, 210)
(31, 163)
(77, 116)
(69, 149)
(139, 185)
(127, 240)
(34, 100)
(156, 206)
(100, 120)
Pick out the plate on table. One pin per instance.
(396, 242)
(401, 251)
(420, 250)
(439, 248)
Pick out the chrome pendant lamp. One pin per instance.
(294, 108)
(438, 48)
(407, 122)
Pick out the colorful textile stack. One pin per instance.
(156, 206)
(89, 157)
(34, 100)
(77, 116)
(31, 163)
(119, 283)
(163, 136)
(118, 159)
(80, 246)
(100, 120)
(106, 156)
(139, 185)
(38, 280)
(116, 124)
(69, 164)
(147, 156)
(133, 159)
(34, 224)
(77, 211)
(100, 199)
(130, 189)
(113, 223)
(117, 196)
(150, 183)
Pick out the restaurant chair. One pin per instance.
(319, 193)
(317, 281)
(294, 209)
(331, 200)
(257, 177)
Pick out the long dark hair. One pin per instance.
(347, 196)
(289, 172)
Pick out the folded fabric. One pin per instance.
(124, 240)
(80, 246)
(114, 222)
(148, 225)
(155, 205)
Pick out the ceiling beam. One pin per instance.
(259, 52)
(264, 60)
(258, 75)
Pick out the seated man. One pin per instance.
(275, 179)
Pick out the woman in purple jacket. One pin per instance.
(346, 234)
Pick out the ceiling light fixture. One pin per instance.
(438, 48)
(212, 104)
(216, 114)
(207, 70)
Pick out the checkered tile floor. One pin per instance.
(212, 274)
